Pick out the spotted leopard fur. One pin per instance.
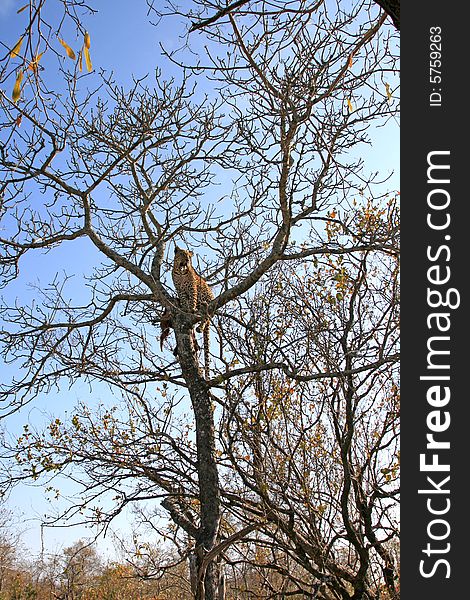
(193, 292)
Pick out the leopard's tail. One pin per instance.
(206, 335)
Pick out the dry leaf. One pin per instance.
(80, 61)
(17, 87)
(20, 10)
(86, 52)
(350, 62)
(33, 65)
(350, 106)
(18, 120)
(16, 49)
(387, 90)
(87, 40)
(68, 49)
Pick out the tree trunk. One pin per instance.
(207, 580)
(211, 586)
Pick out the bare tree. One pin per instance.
(318, 456)
(80, 569)
(122, 174)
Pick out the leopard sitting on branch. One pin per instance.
(194, 294)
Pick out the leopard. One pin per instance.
(194, 294)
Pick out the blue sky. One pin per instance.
(124, 42)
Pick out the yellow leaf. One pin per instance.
(387, 90)
(86, 52)
(16, 49)
(87, 39)
(20, 10)
(33, 65)
(350, 106)
(68, 49)
(17, 87)
(350, 62)
(80, 61)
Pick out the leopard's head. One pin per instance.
(182, 259)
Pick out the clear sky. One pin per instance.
(123, 41)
